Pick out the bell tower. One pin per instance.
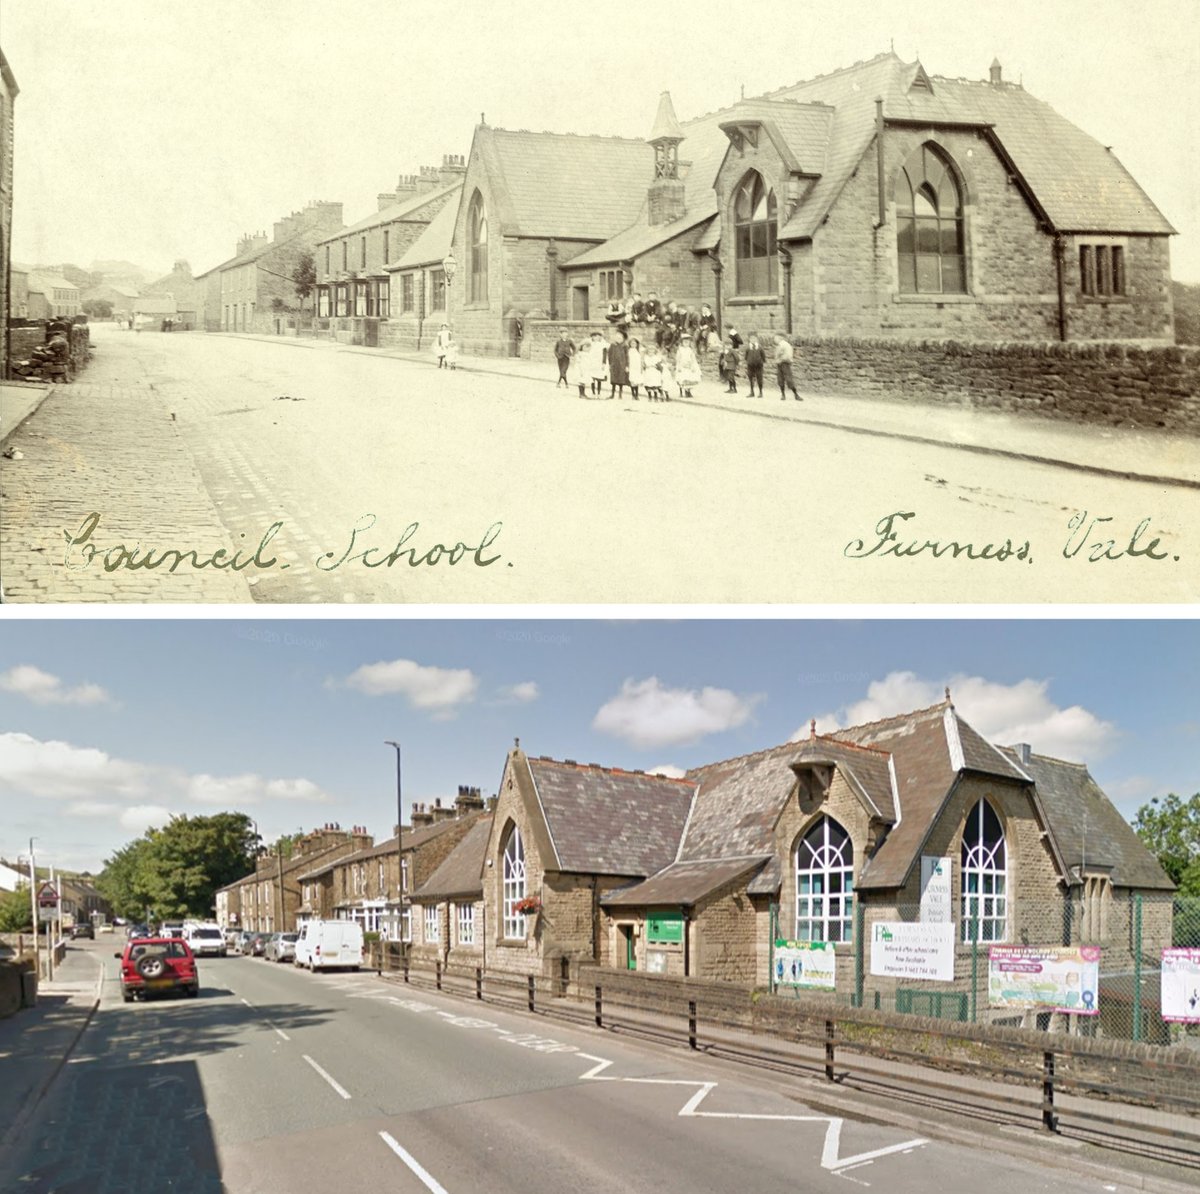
(666, 194)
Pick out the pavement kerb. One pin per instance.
(26, 1113)
(817, 1095)
(483, 365)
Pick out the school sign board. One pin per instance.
(807, 965)
(1181, 985)
(1055, 978)
(901, 949)
(935, 890)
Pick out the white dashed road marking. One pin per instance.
(332, 1081)
(430, 1182)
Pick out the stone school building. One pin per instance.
(875, 202)
(813, 840)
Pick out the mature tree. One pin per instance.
(176, 870)
(304, 277)
(1170, 827)
(97, 308)
(285, 844)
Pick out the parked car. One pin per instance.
(206, 941)
(256, 945)
(138, 931)
(83, 929)
(281, 947)
(106, 928)
(171, 928)
(326, 944)
(152, 965)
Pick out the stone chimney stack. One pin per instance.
(468, 800)
(666, 199)
(996, 72)
(442, 812)
(428, 179)
(251, 241)
(420, 816)
(453, 169)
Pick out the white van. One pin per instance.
(206, 940)
(325, 944)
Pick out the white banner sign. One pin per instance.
(935, 890)
(1181, 985)
(903, 950)
(811, 965)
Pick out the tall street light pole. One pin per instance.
(33, 909)
(399, 846)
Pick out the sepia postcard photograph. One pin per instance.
(378, 303)
(518, 906)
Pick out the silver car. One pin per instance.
(281, 947)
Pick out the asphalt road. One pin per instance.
(603, 501)
(276, 1080)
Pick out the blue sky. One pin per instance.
(109, 725)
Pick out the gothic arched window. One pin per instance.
(929, 225)
(754, 220)
(825, 884)
(984, 875)
(477, 238)
(514, 884)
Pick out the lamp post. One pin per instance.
(449, 269)
(37, 960)
(399, 847)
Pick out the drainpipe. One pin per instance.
(687, 955)
(879, 160)
(552, 259)
(786, 258)
(714, 257)
(1060, 268)
(420, 332)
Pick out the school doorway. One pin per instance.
(625, 947)
(579, 303)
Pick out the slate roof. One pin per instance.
(395, 211)
(605, 821)
(461, 872)
(431, 247)
(683, 883)
(1087, 826)
(1081, 186)
(561, 184)
(412, 839)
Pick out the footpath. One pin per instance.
(69, 452)
(1136, 454)
(36, 1042)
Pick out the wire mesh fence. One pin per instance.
(1089, 965)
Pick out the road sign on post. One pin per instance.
(47, 902)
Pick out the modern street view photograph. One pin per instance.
(345, 304)
(519, 905)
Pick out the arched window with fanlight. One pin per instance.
(477, 238)
(929, 225)
(755, 214)
(513, 879)
(984, 876)
(825, 883)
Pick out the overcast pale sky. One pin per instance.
(149, 131)
(109, 726)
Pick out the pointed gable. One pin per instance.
(666, 127)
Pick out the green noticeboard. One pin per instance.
(665, 927)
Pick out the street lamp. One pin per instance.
(449, 269)
(399, 841)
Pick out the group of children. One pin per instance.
(621, 361)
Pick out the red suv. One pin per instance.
(152, 964)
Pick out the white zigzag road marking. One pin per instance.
(833, 1133)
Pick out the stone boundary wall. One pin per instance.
(10, 984)
(1107, 384)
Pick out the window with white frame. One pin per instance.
(984, 876)
(466, 924)
(404, 874)
(382, 882)
(407, 926)
(825, 883)
(514, 885)
(432, 925)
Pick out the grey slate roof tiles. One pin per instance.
(605, 821)
(683, 882)
(461, 871)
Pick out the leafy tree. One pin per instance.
(98, 308)
(285, 844)
(176, 870)
(304, 277)
(15, 913)
(1171, 830)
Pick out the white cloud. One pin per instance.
(667, 769)
(518, 694)
(1002, 713)
(100, 785)
(140, 817)
(44, 689)
(648, 715)
(424, 687)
